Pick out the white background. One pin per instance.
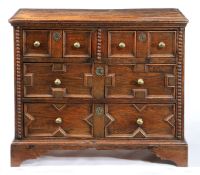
(99, 164)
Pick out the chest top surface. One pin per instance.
(98, 16)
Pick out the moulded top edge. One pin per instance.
(98, 16)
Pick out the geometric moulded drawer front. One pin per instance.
(141, 46)
(57, 80)
(142, 81)
(140, 121)
(58, 120)
(162, 44)
(37, 43)
(77, 43)
(121, 44)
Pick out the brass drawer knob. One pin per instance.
(122, 45)
(57, 82)
(139, 121)
(77, 45)
(36, 44)
(58, 120)
(140, 81)
(161, 45)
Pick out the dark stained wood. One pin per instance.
(98, 99)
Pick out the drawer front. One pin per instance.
(162, 44)
(57, 80)
(141, 81)
(140, 121)
(121, 44)
(77, 44)
(57, 120)
(37, 43)
(58, 45)
(128, 47)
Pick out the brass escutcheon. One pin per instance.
(99, 110)
(99, 71)
(142, 37)
(56, 36)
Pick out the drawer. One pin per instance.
(121, 44)
(57, 80)
(140, 121)
(57, 120)
(162, 44)
(125, 47)
(58, 45)
(37, 43)
(77, 43)
(141, 81)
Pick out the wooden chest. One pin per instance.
(104, 79)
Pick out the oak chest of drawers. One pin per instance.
(104, 79)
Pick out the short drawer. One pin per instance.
(57, 120)
(140, 121)
(121, 44)
(141, 47)
(57, 80)
(162, 44)
(77, 43)
(37, 43)
(141, 81)
(58, 45)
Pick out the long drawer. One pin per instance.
(135, 121)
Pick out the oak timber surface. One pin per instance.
(103, 79)
(119, 15)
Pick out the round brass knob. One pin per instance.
(140, 81)
(77, 45)
(161, 45)
(57, 82)
(139, 121)
(36, 44)
(122, 45)
(58, 120)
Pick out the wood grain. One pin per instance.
(176, 151)
(98, 99)
(95, 15)
(42, 124)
